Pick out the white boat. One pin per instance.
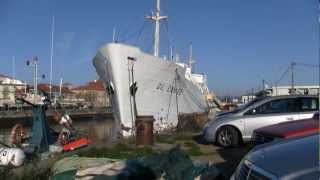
(140, 84)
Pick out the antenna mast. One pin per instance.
(157, 18)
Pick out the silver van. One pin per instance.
(237, 126)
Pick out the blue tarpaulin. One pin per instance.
(41, 137)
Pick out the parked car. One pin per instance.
(296, 158)
(230, 129)
(286, 130)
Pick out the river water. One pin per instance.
(99, 128)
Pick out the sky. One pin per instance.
(236, 43)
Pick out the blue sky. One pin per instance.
(236, 43)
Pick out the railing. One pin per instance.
(20, 112)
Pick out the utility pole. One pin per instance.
(292, 77)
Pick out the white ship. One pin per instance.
(143, 84)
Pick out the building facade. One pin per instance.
(94, 93)
(286, 90)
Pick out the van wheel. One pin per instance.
(227, 137)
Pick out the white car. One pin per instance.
(232, 128)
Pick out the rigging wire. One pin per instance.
(131, 29)
(306, 65)
(297, 64)
(283, 75)
(169, 39)
(191, 95)
(139, 33)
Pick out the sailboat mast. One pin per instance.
(157, 18)
(51, 56)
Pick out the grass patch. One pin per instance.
(193, 149)
(165, 139)
(195, 152)
(172, 139)
(119, 151)
(190, 144)
(183, 137)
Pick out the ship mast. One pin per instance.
(157, 18)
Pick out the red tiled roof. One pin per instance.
(68, 84)
(20, 92)
(46, 87)
(95, 85)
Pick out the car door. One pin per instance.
(307, 107)
(269, 113)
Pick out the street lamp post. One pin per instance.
(34, 64)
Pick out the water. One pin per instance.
(99, 128)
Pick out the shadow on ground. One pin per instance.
(231, 156)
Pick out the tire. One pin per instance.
(227, 137)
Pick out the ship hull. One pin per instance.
(141, 84)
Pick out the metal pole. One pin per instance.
(13, 67)
(51, 56)
(252, 93)
(292, 78)
(171, 53)
(157, 18)
(190, 57)
(36, 79)
(114, 35)
(157, 30)
(60, 89)
(25, 87)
